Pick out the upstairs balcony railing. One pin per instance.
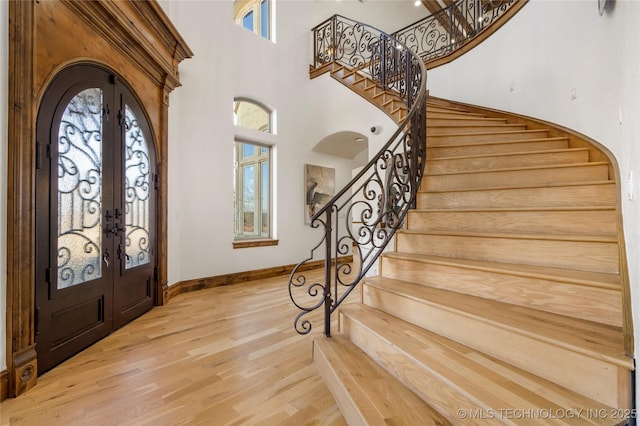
(447, 30)
(362, 217)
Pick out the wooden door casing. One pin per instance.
(132, 38)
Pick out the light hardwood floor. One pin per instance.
(222, 356)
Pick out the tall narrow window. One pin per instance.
(252, 174)
(254, 15)
(252, 191)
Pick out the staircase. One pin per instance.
(388, 101)
(501, 303)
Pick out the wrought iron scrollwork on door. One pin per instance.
(79, 194)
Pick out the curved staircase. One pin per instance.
(501, 303)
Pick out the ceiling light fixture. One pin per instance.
(417, 3)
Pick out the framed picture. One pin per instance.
(320, 187)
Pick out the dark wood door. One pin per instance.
(95, 210)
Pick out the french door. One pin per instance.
(95, 212)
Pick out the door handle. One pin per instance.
(115, 230)
(105, 258)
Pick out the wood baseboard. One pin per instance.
(4, 384)
(240, 277)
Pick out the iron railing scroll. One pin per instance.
(362, 218)
(440, 34)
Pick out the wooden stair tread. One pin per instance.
(439, 114)
(519, 236)
(437, 106)
(507, 132)
(459, 370)
(466, 117)
(510, 153)
(368, 393)
(430, 144)
(518, 209)
(536, 185)
(506, 126)
(592, 339)
(584, 278)
(509, 169)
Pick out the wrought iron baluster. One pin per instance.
(380, 196)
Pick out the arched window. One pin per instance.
(254, 15)
(252, 171)
(251, 115)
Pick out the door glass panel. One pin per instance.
(80, 190)
(137, 191)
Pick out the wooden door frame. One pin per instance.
(125, 27)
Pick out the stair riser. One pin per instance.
(601, 222)
(511, 178)
(349, 411)
(579, 255)
(364, 391)
(488, 137)
(505, 161)
(460, 121)
(445, 110)
(428, 386)
(594, 378)
(560, 196)
(433, 115)
(434, 151)
(589, 303)
(450, 130)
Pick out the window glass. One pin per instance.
(247, 150)
(80, 190)
(264, 19)
(247, 21)
(252, 116)
(252, 198)
(254, 15)
(264, 180)
(248, 199)
(137, 191)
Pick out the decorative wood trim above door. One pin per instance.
(136, 40)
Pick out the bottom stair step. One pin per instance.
(466, 386)
(364, 391)
(581, 355)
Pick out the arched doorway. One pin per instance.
(96, 264)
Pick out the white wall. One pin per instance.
(230, 61)
(547, 50)
(4, 78)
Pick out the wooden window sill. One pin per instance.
(254, 243)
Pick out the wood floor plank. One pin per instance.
(224, 356)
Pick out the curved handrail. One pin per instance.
(446, 31)
(364, 215)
